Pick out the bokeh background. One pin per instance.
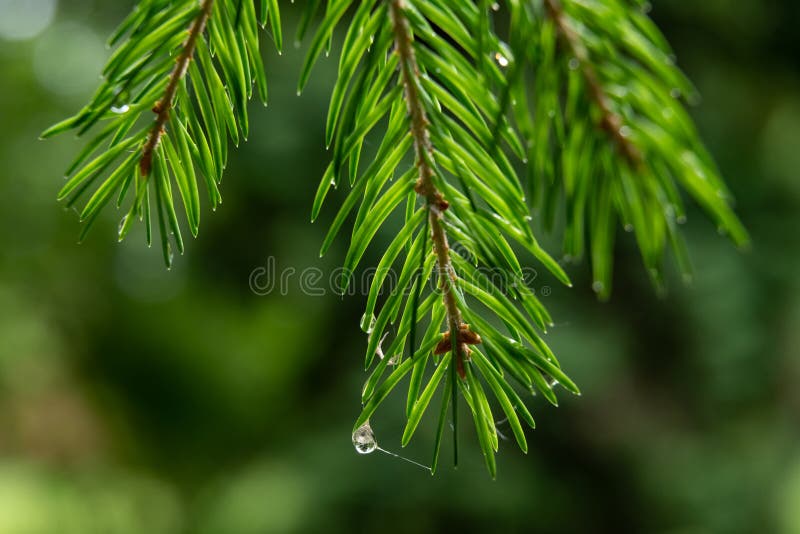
(133, 399)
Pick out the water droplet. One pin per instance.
(495, 6)
(598, 286)
(625, 131)
(681, 219)
(628, 228)
(675, 93)
(647, 7)
(124, 108)
(551, 113)
(364, 439)
(121, 227)
(367, 322)
(501, 59)
(574, 64)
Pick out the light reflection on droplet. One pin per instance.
(501, 59)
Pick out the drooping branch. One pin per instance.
(425, 187)
(610, 121)
(164, 106)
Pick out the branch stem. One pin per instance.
(611, 122)
(436, 204)
(164, 106)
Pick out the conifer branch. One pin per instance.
(163, 107)
(433, 80)
(195, 64)
(435, 202)
(610, 121)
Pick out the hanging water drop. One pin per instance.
(598, 286)
(628, 228)
(124, 108)
(675, 93)
(121, 227)
(367, 322)
(364, 439)
(501, 59)
(574, 64)
(495, 6)
(681, 219)
(625, 131)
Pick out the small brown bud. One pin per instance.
(465, 337)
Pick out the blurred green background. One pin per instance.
(133, 399)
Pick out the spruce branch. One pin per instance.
(418, 68)
(610, 121)
(163, 107)
(584, 95)
(435, 202)
(608, 138)
(195, 64)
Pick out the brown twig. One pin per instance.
(164, 106)
(611, 122)
(425, 187)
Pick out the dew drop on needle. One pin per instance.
(501, 59)
(364, 439)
